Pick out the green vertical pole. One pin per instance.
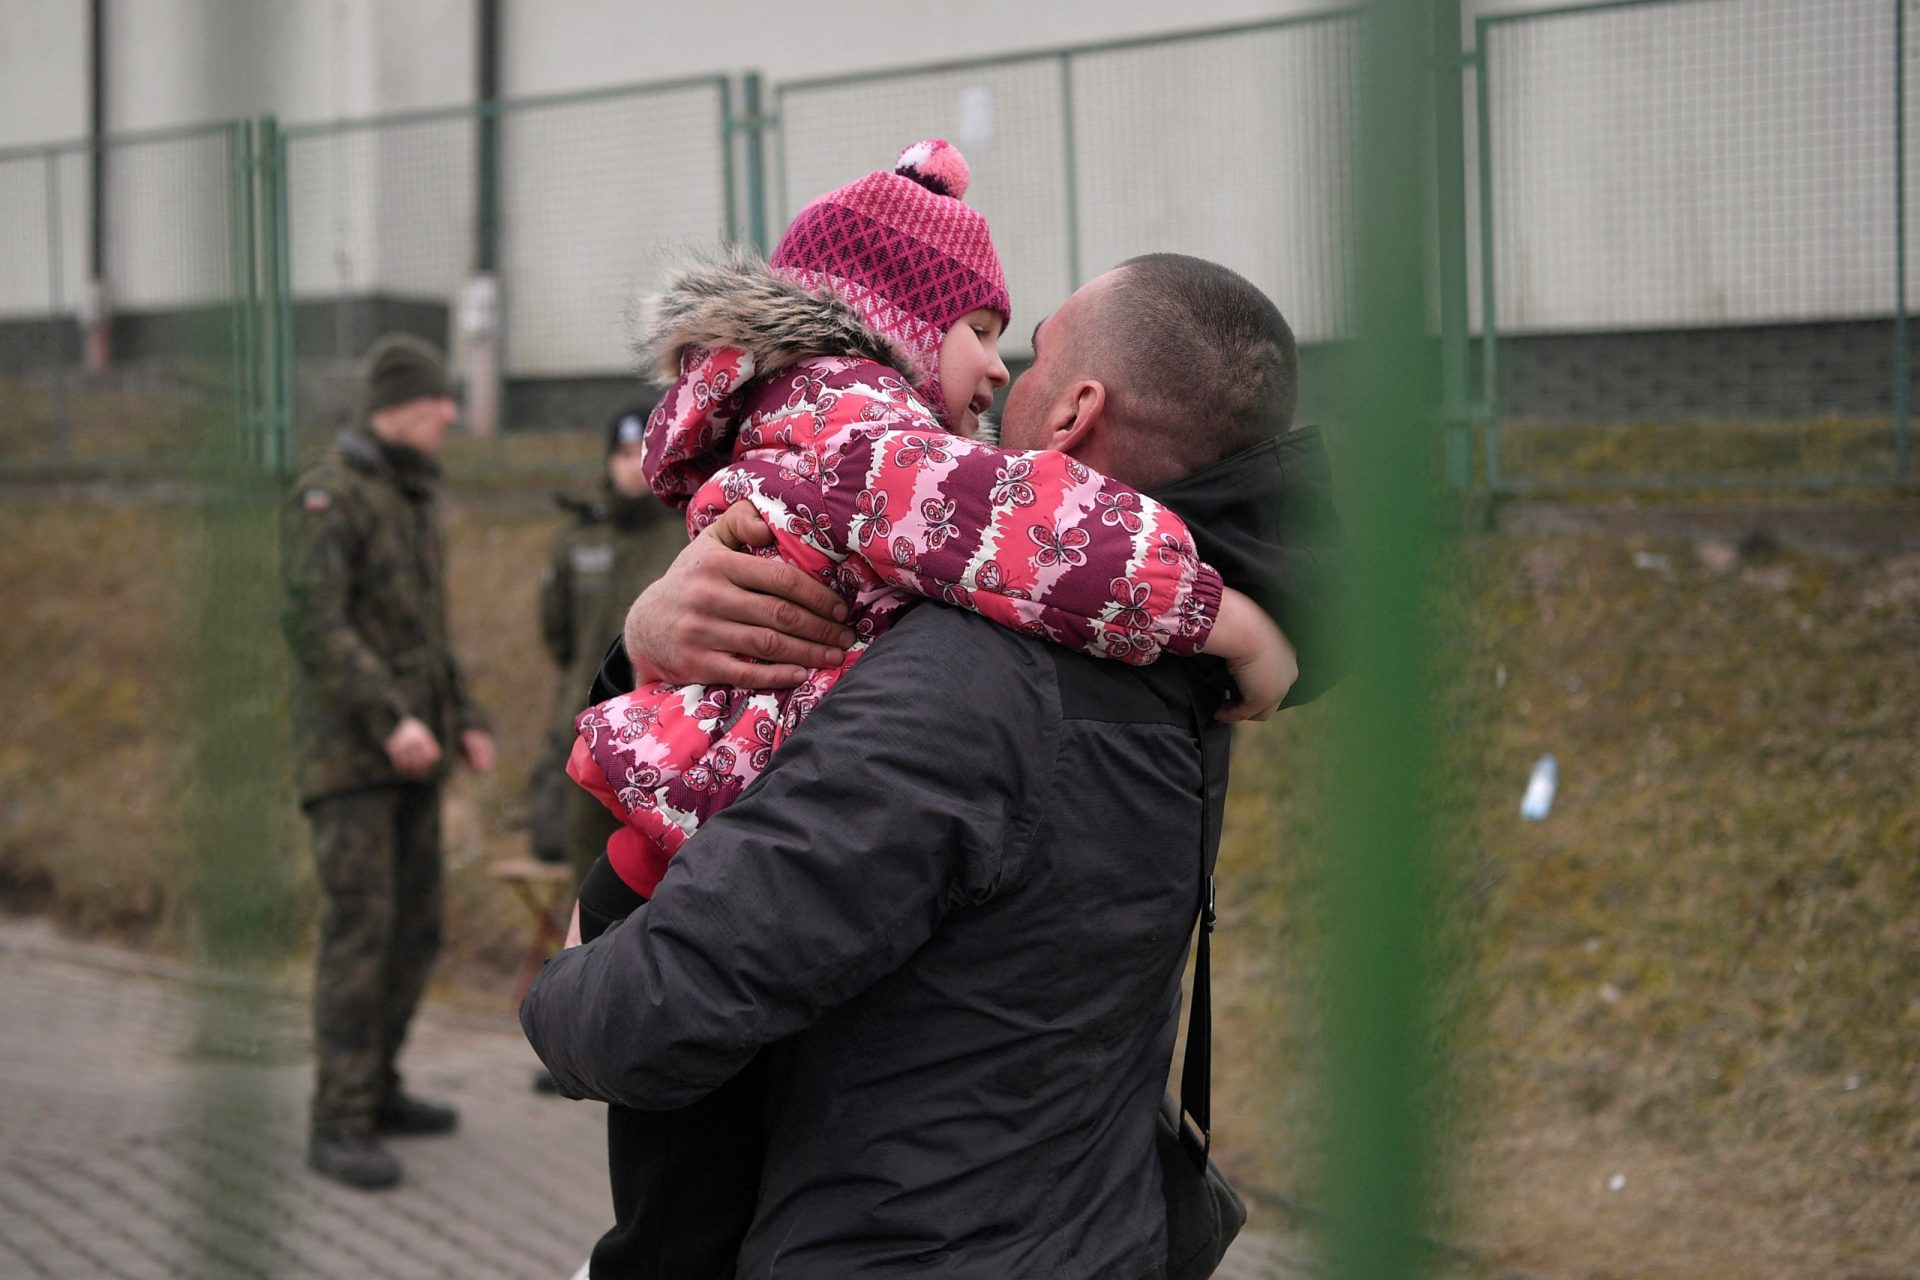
(1070, 170)
(237, 435)
(780, 161)
(732, 197)
(238, 886)
(756, 166)
(247, 257)
(276, 273)
(1378, 865)
(486, 249)
(283, 307)
(267, 161)
(1900, 375)
(486, 225)
(1489, 323)
(1450, 219)
(97, 138)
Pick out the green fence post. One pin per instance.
(276, 307)
(1450, 227)
(239, 265)
(1489, 324)
(247, 250)
(1900, 374)
(756, 156)
(1070, 170)
(282, 287)
(239, 890)
(731, 196)
(1377, 868)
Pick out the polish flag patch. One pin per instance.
(316, 501)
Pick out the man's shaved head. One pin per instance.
(1198, 364)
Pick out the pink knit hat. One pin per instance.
(904, 252)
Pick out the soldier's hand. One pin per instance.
(715, 607)
(412, 748)
(476, 747)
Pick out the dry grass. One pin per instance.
(95, 752)
(128, 420)
(1702, 973)
(1708, 454)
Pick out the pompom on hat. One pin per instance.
(904, 251)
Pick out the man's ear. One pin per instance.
(1076, 416)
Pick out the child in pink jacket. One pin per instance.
(837, 389)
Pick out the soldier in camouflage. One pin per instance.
(378, 703)
(614, 550)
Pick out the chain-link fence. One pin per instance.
(514, 236)
(121, 320)
(1233, 145)
(1690, 246)
(1685, 228)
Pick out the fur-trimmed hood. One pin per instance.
(731, 298)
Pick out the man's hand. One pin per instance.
(476, 748)
(716, 607)
(413, 749)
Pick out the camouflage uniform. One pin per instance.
(367, 622)
(613, 552)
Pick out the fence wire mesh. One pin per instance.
(169, 273)
(1687, 213)
(1081, 159)
(1009, 118)
(537, 223)
(1693, 240)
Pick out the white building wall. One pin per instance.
(43, 97)
(43, 72)
(1711, 162)
(1689, 164)
(556, 45)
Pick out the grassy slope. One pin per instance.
(1701, 973)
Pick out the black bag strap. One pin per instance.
(1196, 1071)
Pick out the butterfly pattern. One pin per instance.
(865, 492)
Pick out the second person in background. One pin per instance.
(621, 540)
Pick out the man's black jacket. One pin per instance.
(958, 903)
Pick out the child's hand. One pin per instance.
(1258, 656)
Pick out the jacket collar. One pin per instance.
(1234, 509)
(1265, 518)
(412, 471)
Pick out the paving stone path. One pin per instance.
(152, 1125)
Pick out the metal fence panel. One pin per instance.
(595, 196)
(1693, 239)
(1234, 147)
(592, 197)
(172, 286)
(379, 221)
(1007, 117)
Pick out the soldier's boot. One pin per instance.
(403, 1113)
(350, 1155)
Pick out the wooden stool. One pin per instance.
(547, 890)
